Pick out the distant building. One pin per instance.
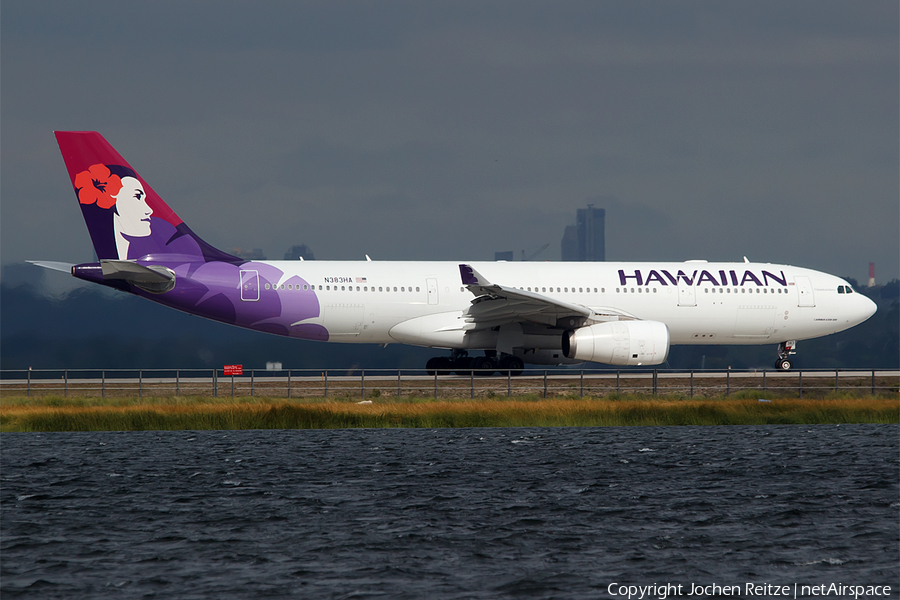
(570, 243)
(504, 255)
(591, 224)
(255, 254)
(586, 240)
(297, 252)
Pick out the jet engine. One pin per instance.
(619, 343)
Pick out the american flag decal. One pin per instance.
(360, 280)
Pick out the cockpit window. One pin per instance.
(849, 289)
(840, 289)
(845, 289)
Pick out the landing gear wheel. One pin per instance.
(514, 365)
(431, 365)
(462, 365)
(783, 364)
(443, 365)
(484, 366)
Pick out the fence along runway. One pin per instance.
(366, 384)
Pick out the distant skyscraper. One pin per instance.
(570, 243)
(586, 240)
(591, 223)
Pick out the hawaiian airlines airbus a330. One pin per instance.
(512, 313)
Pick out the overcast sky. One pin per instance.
(430, 130)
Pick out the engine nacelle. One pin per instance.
(619, 343)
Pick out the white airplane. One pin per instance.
(618, 313)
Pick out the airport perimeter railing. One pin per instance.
(367, 384)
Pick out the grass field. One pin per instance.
(52, 413)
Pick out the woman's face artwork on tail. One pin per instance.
(116, 189)
(132, 212)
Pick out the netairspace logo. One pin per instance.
(767, 590)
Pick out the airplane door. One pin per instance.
(432, 286)
(686, 293)
(804, 291)
(249, 286)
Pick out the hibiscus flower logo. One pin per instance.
(99, 185)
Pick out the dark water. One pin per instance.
(471, 513)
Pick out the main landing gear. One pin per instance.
(460, 363)
(785, 350)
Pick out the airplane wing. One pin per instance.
(495, 305)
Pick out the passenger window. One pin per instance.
(395, 288)
(417, 289)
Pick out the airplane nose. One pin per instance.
(867, 308)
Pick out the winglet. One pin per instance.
(472, 277)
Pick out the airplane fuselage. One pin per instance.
(370, 301)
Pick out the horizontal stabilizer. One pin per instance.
(151, 278)
(54, 265)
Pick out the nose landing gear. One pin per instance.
(785, 350)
